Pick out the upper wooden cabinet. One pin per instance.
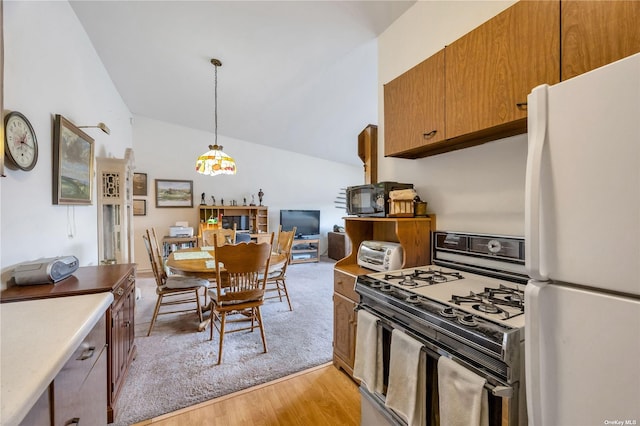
(491, 70)
(368, 152)
(414, 109)
(595, 33)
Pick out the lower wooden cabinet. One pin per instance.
(121, 337)
(345, 300)
(344, 332)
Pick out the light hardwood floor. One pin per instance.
(322, 395)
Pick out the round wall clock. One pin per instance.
(20, 143)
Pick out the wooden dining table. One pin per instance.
(200, 262)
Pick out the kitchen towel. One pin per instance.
(407, 391)
(368, 360)
(463, 398)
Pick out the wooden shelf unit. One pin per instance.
(414, 234)
(258, 216)
(305, 250)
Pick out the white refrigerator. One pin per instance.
(582, 231)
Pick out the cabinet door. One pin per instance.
(492, 69)
(122, 335)
(595, 33)
(414, 108)
(344, 329)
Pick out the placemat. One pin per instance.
(192, 255)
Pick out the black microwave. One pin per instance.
(372, 199)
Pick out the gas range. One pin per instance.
(462, 296)
(469, 304)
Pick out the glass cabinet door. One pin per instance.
(114, 210)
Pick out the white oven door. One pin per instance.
(503, 401)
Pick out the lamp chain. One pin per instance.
(215, 111)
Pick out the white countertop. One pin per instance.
(37, 337)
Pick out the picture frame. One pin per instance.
(139, 207)
(174, 193)
(72, 164)
(1, 91)
(140, 184)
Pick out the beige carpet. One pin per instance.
(175, 366)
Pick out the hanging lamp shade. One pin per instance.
(215, 161)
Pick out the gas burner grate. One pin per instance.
(419, 277)
(494, 301)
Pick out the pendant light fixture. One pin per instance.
(215, 161)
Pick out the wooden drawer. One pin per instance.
(81, 362)
(344, 284)
(79, 390)
(121, 289)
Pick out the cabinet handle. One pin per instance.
(127, 323)
(131, 278)
(521, 105)
(73, 421)
(120, 291)
(429, 134)
(87, 354)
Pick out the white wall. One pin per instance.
(479, 189)
(288, 180)
(55, 70)
(52, 68)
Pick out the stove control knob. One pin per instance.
(448, 312)
(468, 320)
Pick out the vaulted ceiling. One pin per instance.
(295, 75)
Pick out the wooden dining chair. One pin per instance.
(239, 287)
(225, 236)
(176, 289)
(276, 279)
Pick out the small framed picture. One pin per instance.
(140, 184)
(139, 207)
(72, 164)
(174, 193)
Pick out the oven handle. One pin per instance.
(432, 350)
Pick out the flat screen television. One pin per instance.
(241, 222)
(307, 222)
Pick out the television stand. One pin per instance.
(305, 250)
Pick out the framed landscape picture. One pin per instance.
(174, 193)
(72, 164)
(139, 184)
(139, 207)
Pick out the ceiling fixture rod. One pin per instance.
(215, 161)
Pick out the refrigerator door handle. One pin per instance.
(537, 129)
(533, 352)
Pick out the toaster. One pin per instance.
(380, 255)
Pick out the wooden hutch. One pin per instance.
(413, 234)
